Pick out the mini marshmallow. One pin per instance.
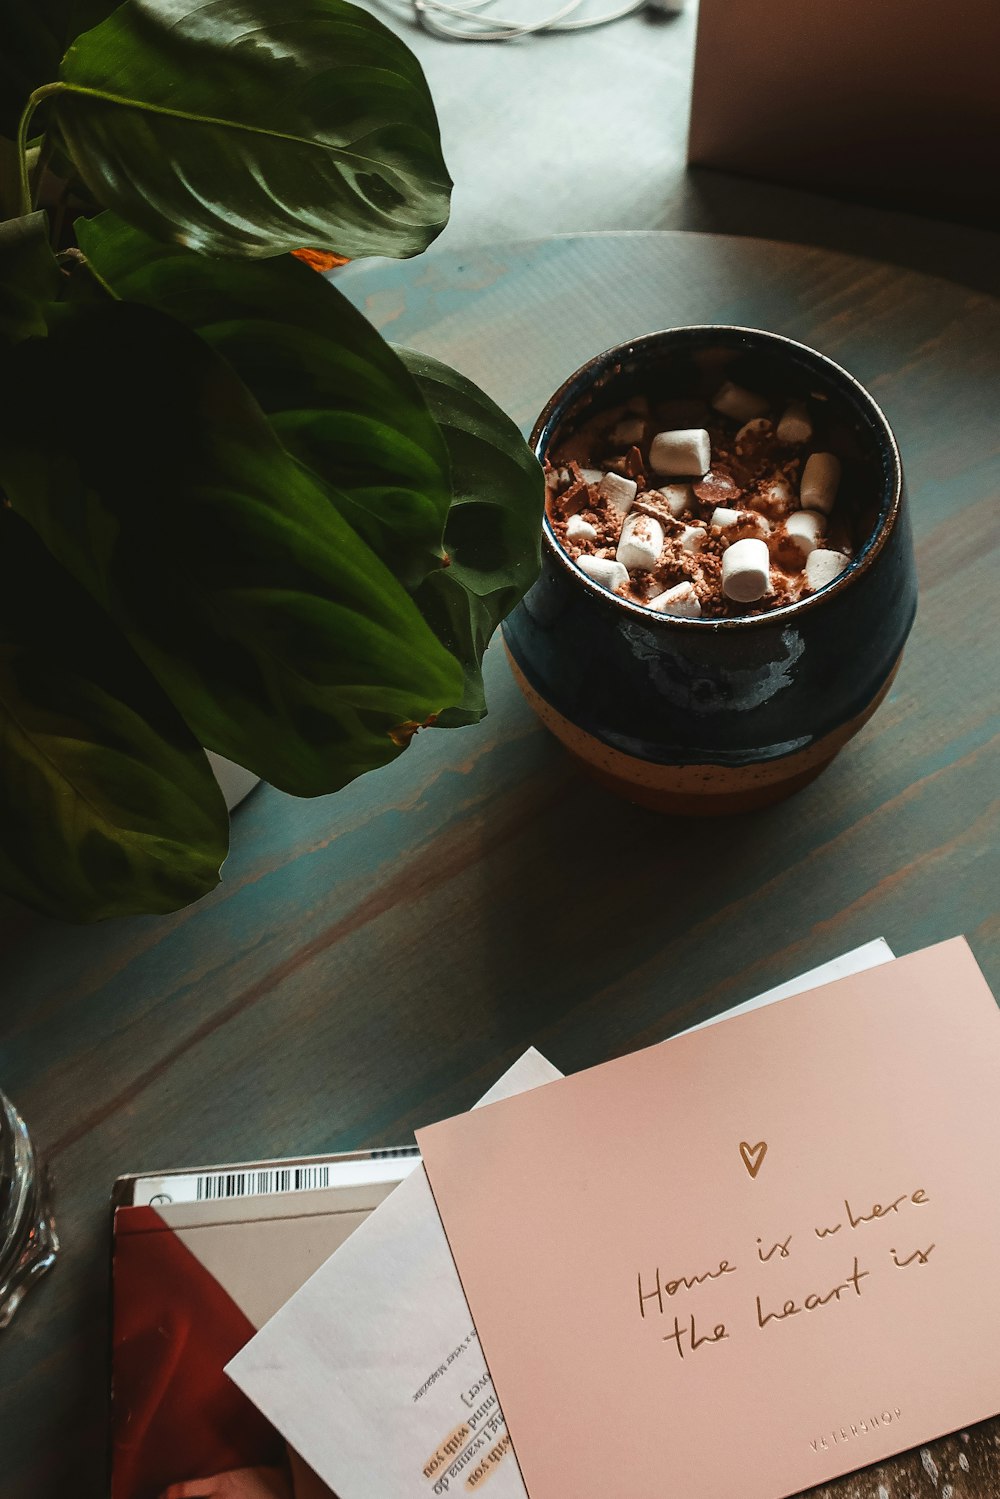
(823, 566)
(778, 498)
(678, 498)
(746, 570)
(751, 431)
(578, 529)
(692, 538)
(592, 475)
(618, 493)
(796, 423)
(806, 528)
(732, 400)
(641, 542)
(820, 479)
(629, 431)
(681, 600)
(603, 570)
(723, 516)
(686, 451)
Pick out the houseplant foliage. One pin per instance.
(232, 516)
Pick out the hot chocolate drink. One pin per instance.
(727, 502)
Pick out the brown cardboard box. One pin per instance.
(891, 102)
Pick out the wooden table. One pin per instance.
(374, 960)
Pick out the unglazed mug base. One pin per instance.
(698, 790)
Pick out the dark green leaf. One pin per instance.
(34, 34)
(107, 804)
(494, 526)
(29, 277)
(248, 127)
(284, 641)
(336, 394)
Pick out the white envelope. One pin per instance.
(373, 1371)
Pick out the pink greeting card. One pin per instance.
(750, 1260)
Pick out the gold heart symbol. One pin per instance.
(753, 1155)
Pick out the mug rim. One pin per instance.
(590, 371)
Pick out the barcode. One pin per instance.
(224, 1184)
(364, 1169)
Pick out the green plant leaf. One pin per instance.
(29, 277)
(336, 394)
(34, 34)
(107, 803)
(283, 640)
(383, 426)
(248, 127)
(493, 534)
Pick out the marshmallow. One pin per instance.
(686, 451)
(678, 498)
(641, 542)
(820, 478)
(823, 566)
(618, 493)
(592, 475)
(796, 423)
(578, 529)
(681, 600)
(751, 431)
(692, 538)
(603, 570)
(806, 528)
(723, 516)
(732, 400)
(629, 431)
(746, 570)
(778, 498)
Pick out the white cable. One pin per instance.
(512, 29)
(473, 13)
(467, 13)
(586, 22)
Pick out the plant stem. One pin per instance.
(24, 178)
(8, 180)
(99, 279)
(37, 171)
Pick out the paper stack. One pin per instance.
(740, 1264)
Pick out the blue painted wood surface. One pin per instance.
(373, 960)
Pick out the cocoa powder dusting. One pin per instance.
(751, 473)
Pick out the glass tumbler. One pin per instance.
(28, 1240)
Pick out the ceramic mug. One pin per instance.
(719, 715)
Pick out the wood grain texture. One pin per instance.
(374, 960)
(965, 1465)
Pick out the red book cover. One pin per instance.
(200, 1261)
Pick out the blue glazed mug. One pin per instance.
(703, 715)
